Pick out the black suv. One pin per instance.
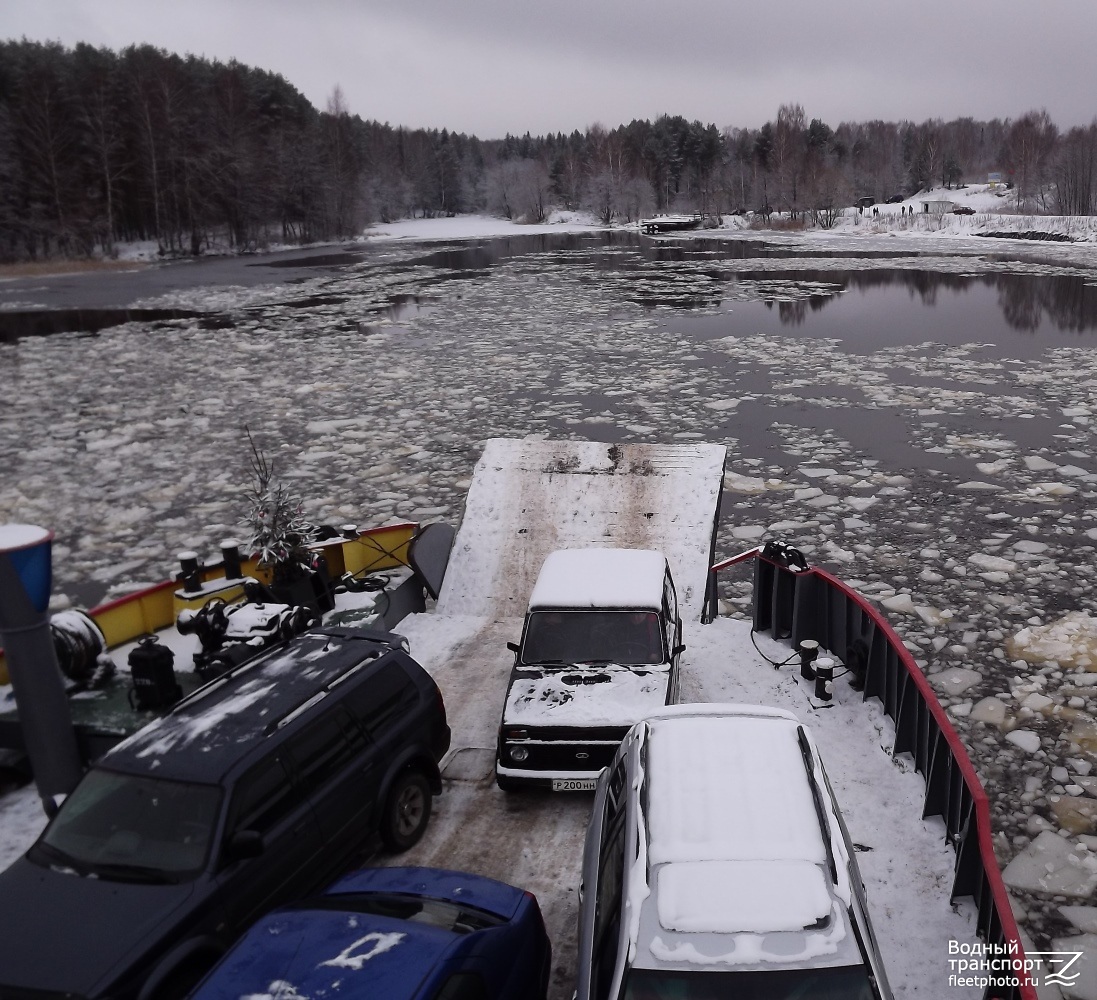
(255, 790)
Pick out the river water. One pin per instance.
(918, 419)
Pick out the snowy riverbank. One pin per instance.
(1057, 239)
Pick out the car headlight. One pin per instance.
(519, 753)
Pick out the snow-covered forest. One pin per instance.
(100, 147)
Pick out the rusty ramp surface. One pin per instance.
(531, 497)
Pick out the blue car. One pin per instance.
(397, 933)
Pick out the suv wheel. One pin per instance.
(406, 811)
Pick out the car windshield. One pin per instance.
(593, 637)
(458, 918)
(842, 983)
(129, 828)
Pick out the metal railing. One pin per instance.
(809, 603)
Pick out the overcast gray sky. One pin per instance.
(488, 67)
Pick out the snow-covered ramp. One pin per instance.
(531, 497)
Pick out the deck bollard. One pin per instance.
(824, 678)
(809, 650)
(230, 557)
(192, 580)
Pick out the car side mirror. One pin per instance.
(513, 647)
(678, 650)
(244, 844)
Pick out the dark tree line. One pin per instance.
(98, 147)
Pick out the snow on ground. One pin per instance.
(995, 212)
(906, 864)
(467, 227)
(900, 858)
(445, 228)
(994, 207)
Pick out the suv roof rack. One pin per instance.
(817, 796)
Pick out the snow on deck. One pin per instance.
(534, 839)
(531, 497)
(904, 860)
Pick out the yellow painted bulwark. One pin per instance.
(380, 548)
(124, 620)
(147, 611)
(229, 594)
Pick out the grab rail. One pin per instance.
(810, 603)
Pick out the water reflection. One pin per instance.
(1025, 302)
(691, 275)
(16, 323)
(863, 307)
(1068, 302)
(796, 312)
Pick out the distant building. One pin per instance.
(936, 206)
(994, 178)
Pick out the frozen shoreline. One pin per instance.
(1064, 240)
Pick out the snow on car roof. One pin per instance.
(207, 734)
(600, 578)
(304, 952)
(730, 788)
(734, 843)
(730, 896)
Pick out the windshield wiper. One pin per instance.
(132, 873)
(43, 853)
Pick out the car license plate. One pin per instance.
(574, 784)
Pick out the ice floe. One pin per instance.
(954, 484)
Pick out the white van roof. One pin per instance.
(736, 848)
(731, 788)
(600, 578)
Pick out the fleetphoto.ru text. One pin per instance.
(982, 965)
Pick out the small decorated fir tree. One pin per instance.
(279, 532)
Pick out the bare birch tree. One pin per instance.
(1075, 172)
(1030, 143)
